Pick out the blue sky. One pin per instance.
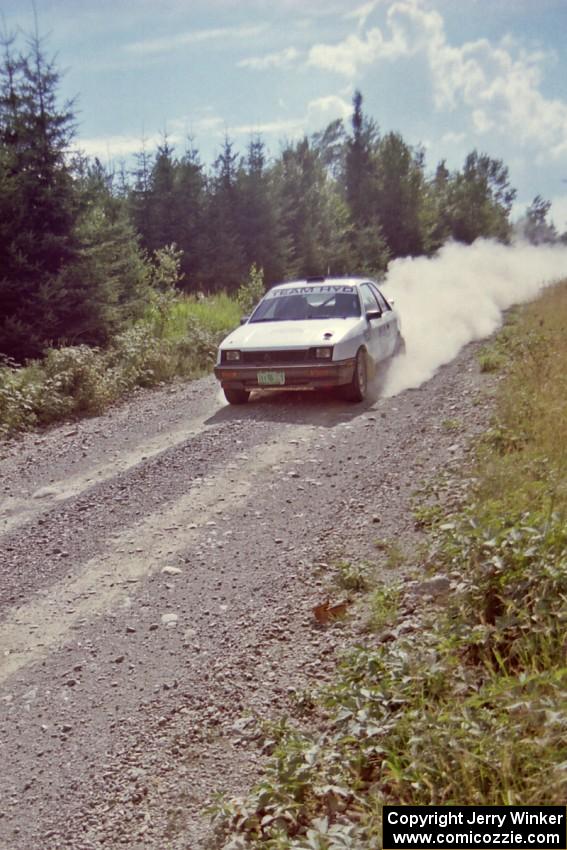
(450, 75)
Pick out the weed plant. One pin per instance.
(473, 709)
(178, 337)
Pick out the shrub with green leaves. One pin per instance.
(250, 292)
(179, 336)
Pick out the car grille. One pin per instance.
(265, 358)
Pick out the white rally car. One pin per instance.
(313, 333)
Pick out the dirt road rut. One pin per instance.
(158, 566)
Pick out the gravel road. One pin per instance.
(158, 569)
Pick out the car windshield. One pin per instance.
(301, 303)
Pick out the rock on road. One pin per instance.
(158, 567)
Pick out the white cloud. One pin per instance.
(220, 35)
(499, 85)
(362, 13)
(178, 130)
(330, 106)
(453, 138)
(348, 56)
(108, 148)
(281, 59)
(481, 121)
(209, 124)
(292, 127)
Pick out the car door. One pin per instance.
(389, 328)
(373, 333)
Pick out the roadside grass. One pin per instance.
(471, 707)
(216, 315)
(178, 337)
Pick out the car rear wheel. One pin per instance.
(236, 396)
(356, 390)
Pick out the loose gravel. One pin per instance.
(158, 570)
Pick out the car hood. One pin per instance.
(298, 334)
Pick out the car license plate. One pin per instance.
(271, 378)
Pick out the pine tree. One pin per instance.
(480, 200)
(368, 247)
(106, 285)
(315, 218)
(38, 205)
(226, 265)
(191, 234)
(400, 196)
(139, 198)
(360, 166)
(258, 221)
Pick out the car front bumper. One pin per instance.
(306, 376)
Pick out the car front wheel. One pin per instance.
(356, 390)
(236, 396)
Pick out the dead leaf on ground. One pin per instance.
(326, 613)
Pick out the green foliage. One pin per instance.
(453, 424)
(353, 577)
(38, 205)
(400, 197)
(479, 200)
(384, 604)
(105, 288)
(534, 226)
(165, 274)
(250, 292)
(79, 380)
(490, 361)
(72, 272)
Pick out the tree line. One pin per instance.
(78, 242)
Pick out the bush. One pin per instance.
(178, 337)
(250, 292)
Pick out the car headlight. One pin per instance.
(232, 355)
(323, 353)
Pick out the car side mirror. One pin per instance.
(391, 302)
(244, 319)
(373, 314)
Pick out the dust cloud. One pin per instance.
(458, 296)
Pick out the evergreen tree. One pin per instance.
(191, 234)
(534, 226)
(316, 219)
(106, 285)
(163, 218)
(400, 196)
(330, 145)
(226, 266)
(368, 246)
(140, 195)
(259, 222)
(480, 199)
(437, 207)
(38, 204)
(360, 166)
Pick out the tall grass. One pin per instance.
(473, 709)
(216, 315)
